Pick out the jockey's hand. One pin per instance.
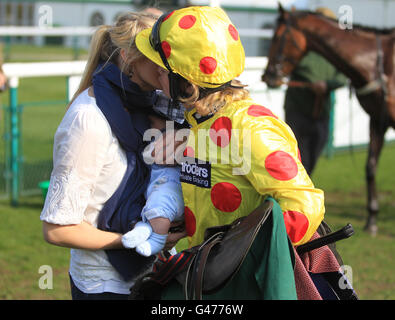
(169, 148)
(174, 237)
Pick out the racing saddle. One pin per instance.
(208, 267)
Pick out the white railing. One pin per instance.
(87, 31)
(13, 31)
(15, 71)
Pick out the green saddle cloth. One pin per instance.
(266, 273)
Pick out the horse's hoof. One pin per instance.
(371, 229)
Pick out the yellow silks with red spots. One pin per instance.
(236, 158)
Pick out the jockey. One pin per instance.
(238, 152)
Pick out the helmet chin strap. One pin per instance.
(155, 42)
(174, 85)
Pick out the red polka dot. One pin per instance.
(299, 156)
(187, 21)
(233, 32)
(189, 152)
(281, 165)
(168, 16)
(258, 111)
(225, 196)
(166, 48)
(296, 225)
(220, 131)
(208, 65)
(190, 222)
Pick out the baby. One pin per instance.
(164, 203)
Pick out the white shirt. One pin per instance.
(88, 166)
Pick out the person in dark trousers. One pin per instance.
(307, 107)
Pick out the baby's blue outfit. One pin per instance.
(164, 194)
(164, 200)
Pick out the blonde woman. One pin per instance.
(99, 177)
(200, 53)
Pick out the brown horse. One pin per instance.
(365, 55)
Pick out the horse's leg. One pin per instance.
(375, 146)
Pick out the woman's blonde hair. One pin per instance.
(108, 41)
(213, 102)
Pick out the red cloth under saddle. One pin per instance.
(315, 261)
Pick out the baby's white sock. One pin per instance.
(137, 235)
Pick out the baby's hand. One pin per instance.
(138, 235)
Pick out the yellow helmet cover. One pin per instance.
(200, 43)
